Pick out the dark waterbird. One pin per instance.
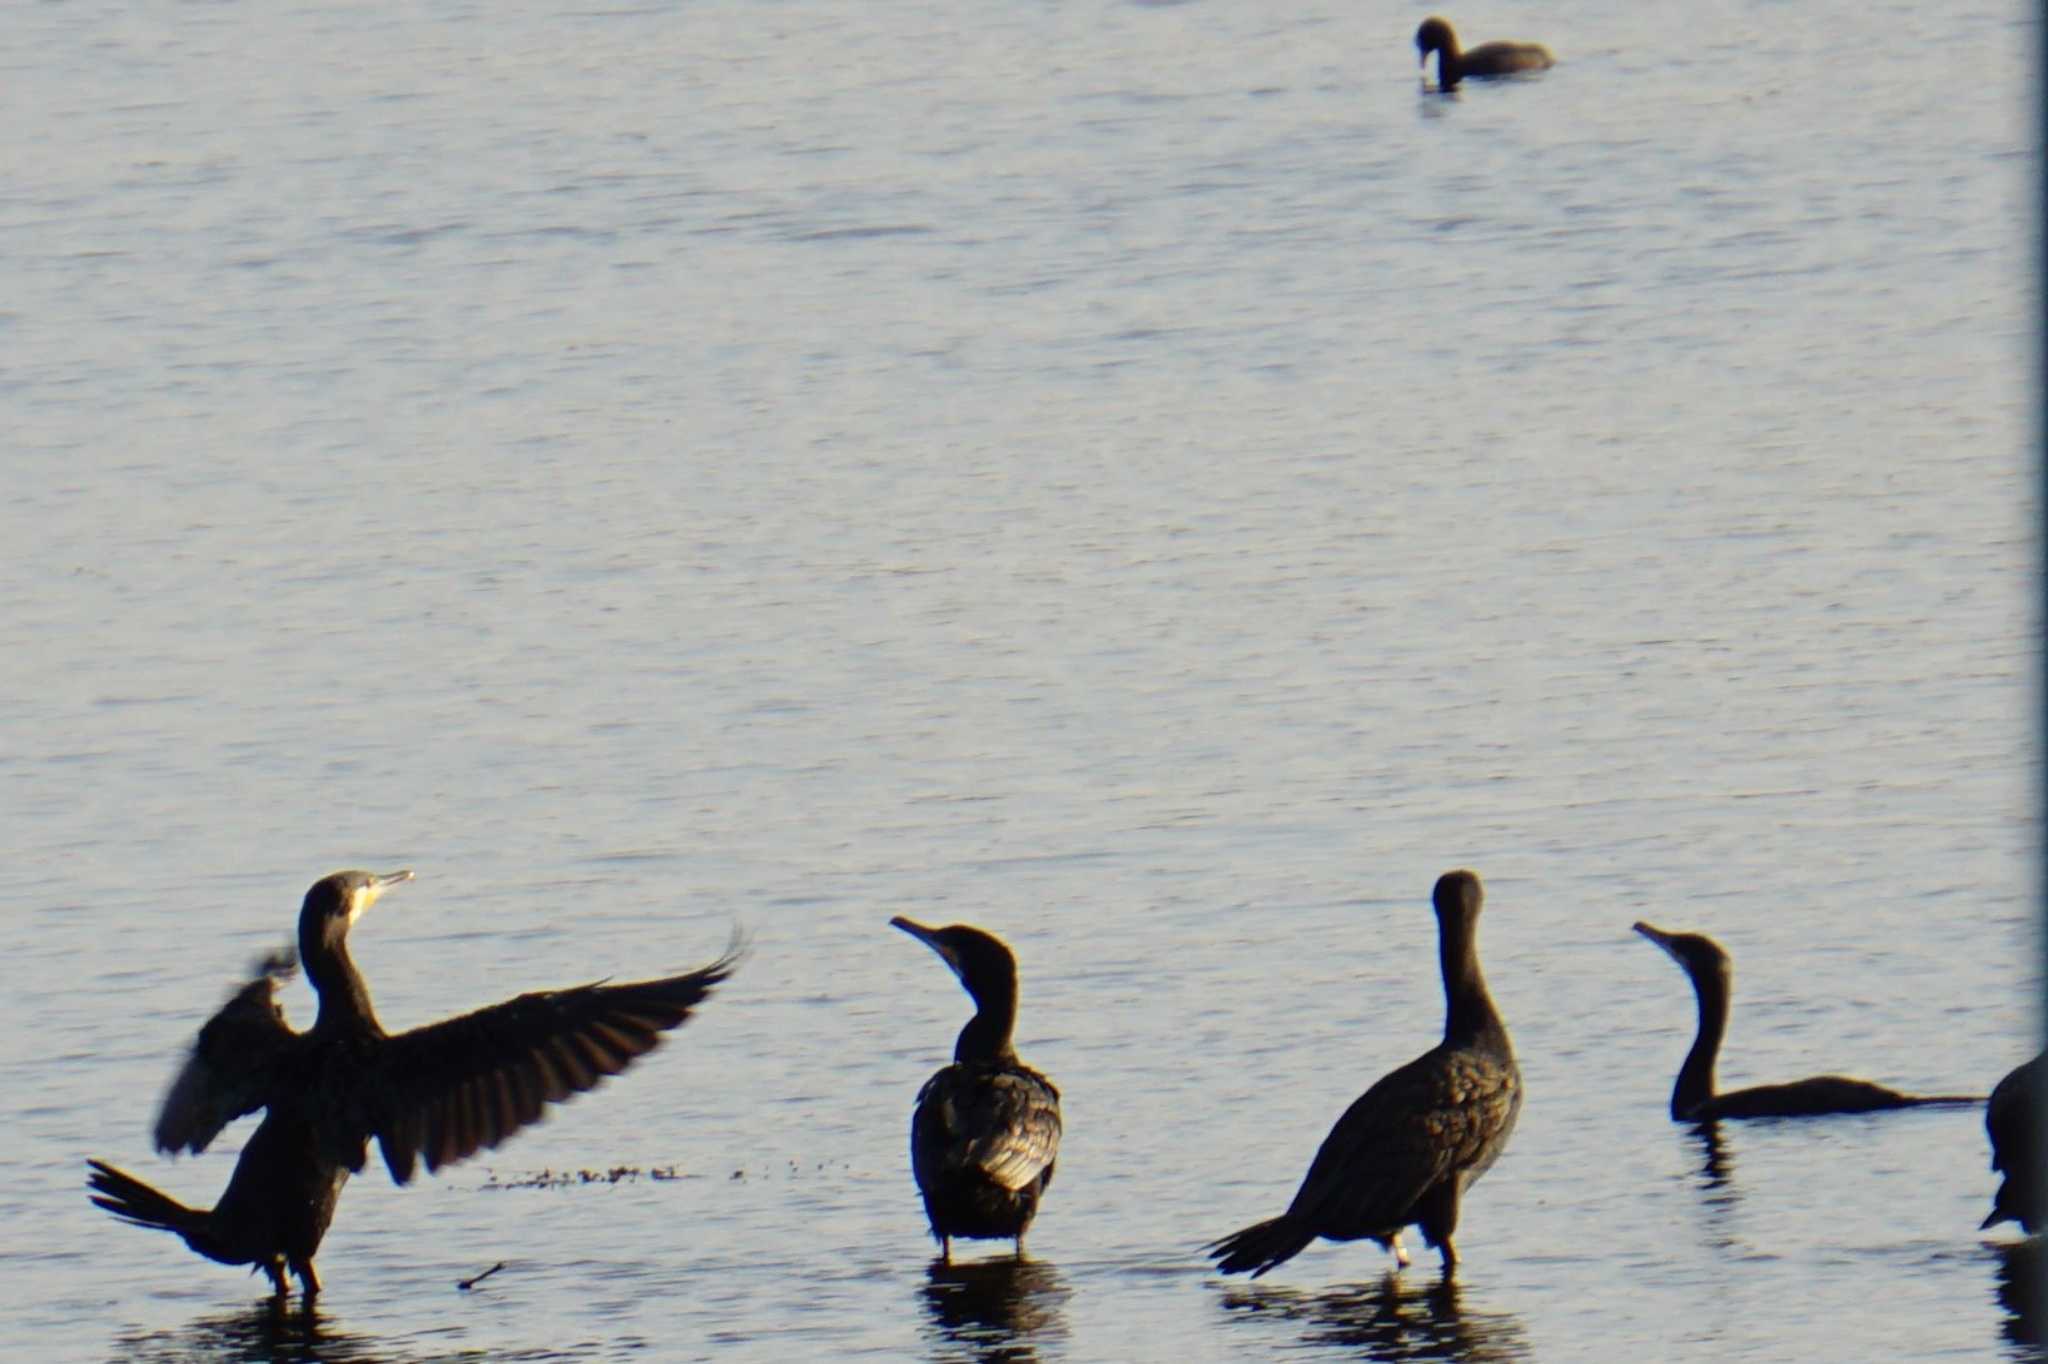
(1484, 61)
(433, 1095)
(2013, 1121)
(986, 1130)
(1693, 1098)
(1410, 1146)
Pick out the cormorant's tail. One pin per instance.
(129, 1199)
(1951, 1100)
(1260, 1246)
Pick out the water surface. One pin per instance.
(1145, 479)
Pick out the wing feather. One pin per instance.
(443, 1092)
(233, 1062)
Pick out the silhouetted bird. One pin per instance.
(1485, 60)
(1693, 1098)
(435, 1094)
(2013, 1120)
(1410, 1146)
(986, 1130)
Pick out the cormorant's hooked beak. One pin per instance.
(1661, 938)
(372, 888)
(930, 938)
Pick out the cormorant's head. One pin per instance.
(1699, 954)
(334, 902)
(1434, 36)
(980, 959)
(1457, 894)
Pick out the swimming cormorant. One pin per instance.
(2013, 1120)
(986, 1130)
(1409, 1147)
(435, 1094)
(1693, 1098)
(1485, 60)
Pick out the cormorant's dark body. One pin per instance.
(1484, 61)
(436, 1094)
(986, 1131)
(1405, 1152)
(273, 1214)
(1693, 1097)
(2013, 1120)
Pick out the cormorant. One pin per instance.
(435, 1094)
(986, 1130)
(2013, 1119)
(1409, 1147)
(1485, 60)
(1693, 1098)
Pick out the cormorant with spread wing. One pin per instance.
(1408, 1148)
(433, 1095)
(987, 1128)
(1693, 1098)
(2013, 1121)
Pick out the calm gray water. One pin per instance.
(1142, 478)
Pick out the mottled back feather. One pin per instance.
(1002, 1121)
(1445, 1114)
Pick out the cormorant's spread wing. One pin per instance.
(2009, 1115)
(1439, 1113)
(230, 1068)
(1004, 1123)
(445, 1091)
(2012, 1118)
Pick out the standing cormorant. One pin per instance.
(434, 1094)
(1693, 1098)
(1485, 60)
(2013, 1120)
(1409, 1147)
(986, 1130)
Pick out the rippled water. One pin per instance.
(1143, 478)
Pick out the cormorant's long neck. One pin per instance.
(344, 994)
(986, 1038)
(1448, 71)
(1696, 1077)
(1469, 1015)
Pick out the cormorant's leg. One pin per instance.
(1400, 1251)
(1450, 1257)
(945, 1250)
(309, 1282)
(1020, 1245)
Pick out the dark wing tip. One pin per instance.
(738, 945)
(279, 964)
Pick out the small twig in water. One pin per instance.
(468, 1284)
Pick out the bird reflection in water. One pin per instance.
(1719, 1195)
(271, 1331)
(1717, 1167)
(2020, 1267)
(1390, 1320)
(995, 1309)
